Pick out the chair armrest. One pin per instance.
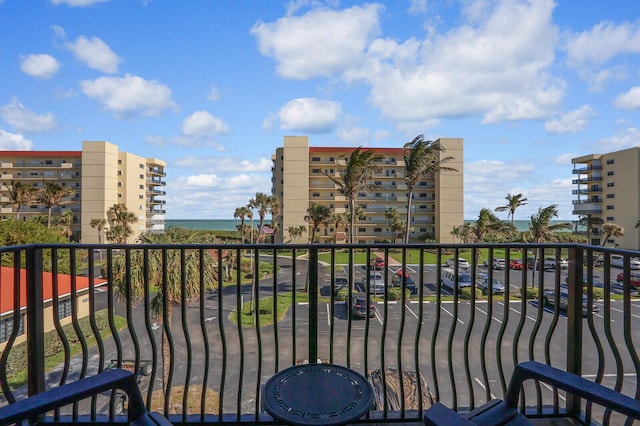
(571, 383)
(75, 391)
(439, 415)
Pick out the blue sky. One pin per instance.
(211, 87)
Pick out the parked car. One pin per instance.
(144, 370)
(563, 302)
(482, 282)
(618, 260)
(409, 283)
(515, 264)
(358, 306)
(462, 263)
(597, 281)
(339, 284)
(498, 263)
(376, 283)
(378, 263)
(547, 263)
(634, 281)
(449, 279)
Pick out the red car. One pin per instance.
(378, 263)
(515, 264)
(635, 280)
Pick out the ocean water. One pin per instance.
(523, 225)
(230, 224)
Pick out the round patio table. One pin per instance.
(317, 394)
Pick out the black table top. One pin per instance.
(317, 394)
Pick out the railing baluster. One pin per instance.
(185, 329)
(35, 317)
(313, 305)
(574, 322)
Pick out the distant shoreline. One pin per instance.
(231, 224)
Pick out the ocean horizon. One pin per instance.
(230, 224)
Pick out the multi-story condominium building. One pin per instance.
(299, 179)
(608, 187)
(100, 176)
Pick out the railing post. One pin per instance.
(313, 305)
(35, 321)
(574, 322)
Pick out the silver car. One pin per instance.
(563, 302)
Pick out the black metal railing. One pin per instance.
(210, 334)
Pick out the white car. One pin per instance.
(376, 283)
(618, 260)
(462, 263)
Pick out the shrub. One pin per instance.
(396, 293)
(466, 293)
(342, 294)
(532, 293)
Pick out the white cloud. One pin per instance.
(223, 165)
(203, 124)
(624, 138)
(39, 66)
(214, 94)
(25, 121)
(496, 64)
(629, 100)
(129, 96)
(601, 43)
(186, 195)
(572, 122)
(95, 53)
(565, 159)
(77, 3)
(309, 115)
(12, 141)
(417, 7)
(337, 39)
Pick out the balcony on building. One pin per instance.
(577, 314)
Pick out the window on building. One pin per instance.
(377, 229)
(378, 194)
(119, 195)
(119, 172)
(119, 184)
(64, 308)
(142, 166)
(609, 207)
(362, 230)
(315, 159)
(141, 176)
(316, 170)
(611, 195)
(611, 161)
(141, 187)
(330, 206)
(6, 328)
(331, 159)
(315, 194)
(610, 218)
(141, 197)
(119, 161)
(422, 206)
(610, 184)
(610, 173)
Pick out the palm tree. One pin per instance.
(51, 195)
(513, 202)
(296, 232)
(393, 220)
(66, 220)
(421, 160)
(21, 194)
(129, 280)
(589, 221)
(611, 230)
(336, 220)
(99, 224)
(356, 176)
(316, 215)
(264, 204)
(243, 213)
(488, 224)
(541, 230)
(119, 218)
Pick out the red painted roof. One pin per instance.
(7, 288)
(396, 151)
(41, 153)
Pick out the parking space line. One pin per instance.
(329, 316)
(619, 310)
(412, 313)
(482, 386)
(459, 320)
(551, 389)
(492, 317)
(518, 312)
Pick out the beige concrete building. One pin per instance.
(608, 187)
(299, 179)
(100, 174)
